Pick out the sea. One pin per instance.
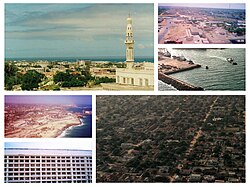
(220, 75)
(84, 129)
(74, 59)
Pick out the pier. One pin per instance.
(178, 84)
(193, 66)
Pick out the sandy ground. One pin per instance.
(177, 32)
(175, 63)
(42, 128)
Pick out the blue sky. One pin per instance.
(72, 144)
(49, 99)
(76, 30)
(208, 5)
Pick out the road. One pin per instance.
(164, 31)
(197, 135)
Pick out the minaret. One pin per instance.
(129, 42)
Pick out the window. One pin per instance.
(146, 82)
(140, 80)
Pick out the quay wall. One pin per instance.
(183, 69)
(178, 84)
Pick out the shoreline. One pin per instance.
(59, 132)
(177, 84)
(63, 131)
(168, 66)
(41, 127)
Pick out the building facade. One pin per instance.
(129, 42)
(47, 166)
(136, 76)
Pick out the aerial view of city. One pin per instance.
(48, 116)
(201, 69)
(195, 138)
(79, 47)
(207, 23)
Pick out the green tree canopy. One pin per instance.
(31, 80)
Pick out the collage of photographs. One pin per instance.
(123, 92)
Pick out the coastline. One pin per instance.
(176, 83)
(65, 128)
(168, 66)
(63, 131)
(41, 128)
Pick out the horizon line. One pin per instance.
(184, 6)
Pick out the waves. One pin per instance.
(221, 74)
(83, 130)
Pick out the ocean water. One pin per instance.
(81, 131)
(221, 74)
(84, 129)
(165, 87)
(71, 59)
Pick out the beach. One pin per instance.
(45, 127)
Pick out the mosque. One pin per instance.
(136, 76)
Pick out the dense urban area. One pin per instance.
(193, 25)
(171, 138)
(58, 75)
(38, 120)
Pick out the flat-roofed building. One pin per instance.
(136, 76)
(25, 165)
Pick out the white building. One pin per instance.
(23, 165)
(135, 74)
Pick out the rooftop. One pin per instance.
(38, 152)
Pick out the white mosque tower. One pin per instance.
(133, 77)
(129, 42)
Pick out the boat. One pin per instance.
(230, 60)
(234, 63)
(167, 54)
(182, 58)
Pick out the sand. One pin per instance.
(175, 63)
(42, 128)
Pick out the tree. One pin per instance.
(10, 69)
(134, 162)
(161, 179)
(11, 76)
(31, 80)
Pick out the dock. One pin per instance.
(193, 66)
(178, 84)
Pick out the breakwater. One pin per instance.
(178, 84)
(193, 66)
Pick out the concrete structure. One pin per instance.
(142, 75)
(135, 74)
(129, 42)
(23, 165)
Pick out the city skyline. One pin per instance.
(75, 30)
(207, 5)
(49, 99)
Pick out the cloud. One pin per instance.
(90, 21)
(98, 24)
(143, 46)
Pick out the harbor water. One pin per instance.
(220, 75)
